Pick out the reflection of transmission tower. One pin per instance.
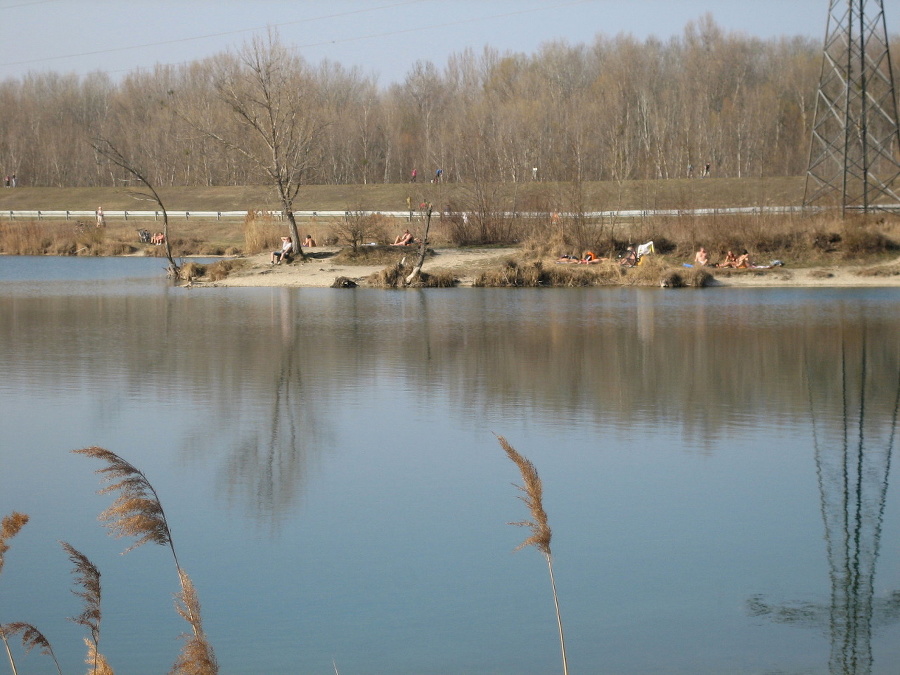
(853, 155)
(853, 460)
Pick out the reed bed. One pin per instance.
(136, 513)
(262, 231)
(535, 273)
(395, 276)
(221, 269)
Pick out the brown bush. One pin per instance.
(262, 231)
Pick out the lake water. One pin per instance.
(715, 463)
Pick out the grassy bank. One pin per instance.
(589, 196)
(797, 239)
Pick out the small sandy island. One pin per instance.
(319, 271)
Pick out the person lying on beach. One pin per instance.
(590, 258)
(630, 258)
(404, 239)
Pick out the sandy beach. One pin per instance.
(320, 272)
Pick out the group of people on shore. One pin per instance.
(742, 261)
(629, 258)
(286, 252)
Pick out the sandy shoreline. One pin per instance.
(320, 272)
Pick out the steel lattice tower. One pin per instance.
(853, 157)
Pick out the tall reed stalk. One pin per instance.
(31, 638)
(9, 528)
(137, 512)
(87, 577)
(532, 494)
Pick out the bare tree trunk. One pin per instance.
(418, 268)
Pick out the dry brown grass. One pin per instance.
(801, 240)
(886, 270)
(262, 232)
(535, 273)
(194, 271)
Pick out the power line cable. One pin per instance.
(418, 28)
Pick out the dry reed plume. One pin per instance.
(196, 656)
(9, 528)
(95, 661)
(87, 577)
(137, 512)
(532, 494)
(31, 638)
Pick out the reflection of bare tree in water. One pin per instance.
(853, 461)
(268, 455)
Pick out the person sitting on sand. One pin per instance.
(404, 239)
(701, 258)
(743, 261)
(159, 239)
(730, 260)
(287, 245)
(309, 242)
(630, 258)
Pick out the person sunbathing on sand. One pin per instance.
(590, 258)
(743, 261)
(404, 239)
(701, 259)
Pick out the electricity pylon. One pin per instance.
(853, 156)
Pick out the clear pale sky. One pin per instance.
(383, 37)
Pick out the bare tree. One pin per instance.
(105, 148)
(273, 101)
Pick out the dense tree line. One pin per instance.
(617, 109)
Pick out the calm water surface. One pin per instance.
(716, 469)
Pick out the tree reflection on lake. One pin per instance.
(328, 459)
